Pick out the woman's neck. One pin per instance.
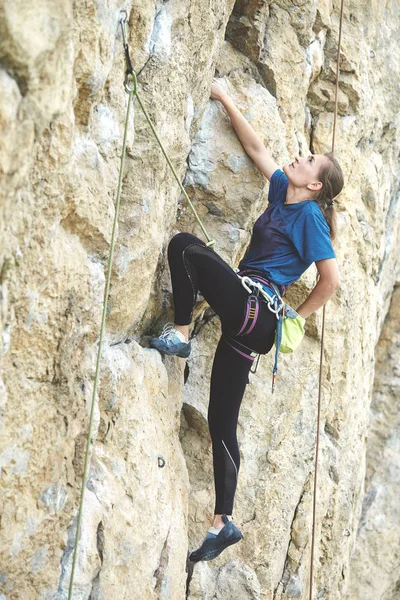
(295, 195)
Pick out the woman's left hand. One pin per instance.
(217, 93)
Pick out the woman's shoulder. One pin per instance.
(312, 207)
(277, 187)
(310, 214)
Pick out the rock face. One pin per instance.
(150, 493)
(375, 562)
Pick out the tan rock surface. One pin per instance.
(62, 111)
(375, 561)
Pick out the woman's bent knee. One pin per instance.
(181, 240)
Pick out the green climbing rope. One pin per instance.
(102, 328)
(131, 88)
(131, 80)
(210, 242)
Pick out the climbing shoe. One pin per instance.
(213, 544)
(171, 341)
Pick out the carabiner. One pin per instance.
(130, 83)
(274, 303)
(246, 282)
(257, 360)
(122, 22)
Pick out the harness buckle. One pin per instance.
(255, 293)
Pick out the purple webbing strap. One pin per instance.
(239, 352)
(254, 320)
(264, 281)
(246, 317)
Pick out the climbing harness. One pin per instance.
(289, 327)
(275, 305)
(130, 86)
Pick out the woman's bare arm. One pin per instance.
(328, 283)
(249, 139)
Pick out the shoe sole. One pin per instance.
(181, 354)
(214, 553)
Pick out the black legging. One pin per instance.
(195, 267)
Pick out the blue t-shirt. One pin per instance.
(287, 238)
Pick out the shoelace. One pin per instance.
(167, 332)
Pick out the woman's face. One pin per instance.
(303, 172)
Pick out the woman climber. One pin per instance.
(292, 233)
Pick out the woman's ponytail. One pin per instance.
(331, 176)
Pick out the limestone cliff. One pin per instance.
(62, 110)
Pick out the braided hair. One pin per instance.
(331, 177)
